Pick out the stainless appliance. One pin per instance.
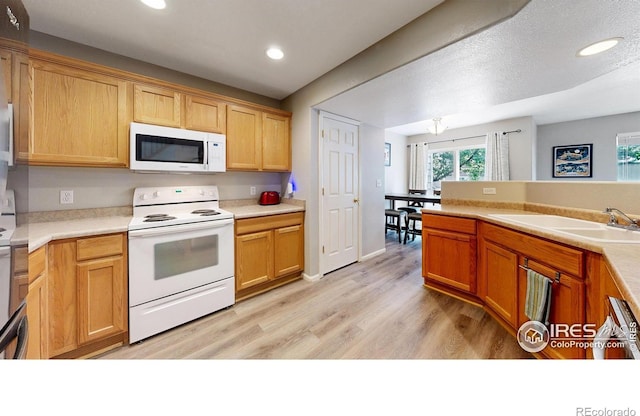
(620, 327)
(7, 227)
(167, 149)
(181, 258)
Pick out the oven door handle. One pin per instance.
(152, 232)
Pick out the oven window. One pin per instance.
(176, 257)
(164, 149)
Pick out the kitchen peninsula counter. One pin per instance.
(622, 257)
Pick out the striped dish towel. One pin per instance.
(538, 300)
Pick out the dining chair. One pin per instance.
(393, 221)
(413, 227)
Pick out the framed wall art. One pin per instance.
(573, 161)
(387, 154)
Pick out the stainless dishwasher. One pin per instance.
(620, 329)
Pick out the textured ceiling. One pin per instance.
(525, 66)
(225, 40)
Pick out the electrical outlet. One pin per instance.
(489, 191)
(66, 197)
(252, 190)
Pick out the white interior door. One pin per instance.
(340, 192)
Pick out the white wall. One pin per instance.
(372, 172)
(600, 131)
(447, 23)
(521, 145)
(396, 176)
(102, 187)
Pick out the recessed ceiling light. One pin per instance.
(599, 47)
(155, 4)
(275, 53)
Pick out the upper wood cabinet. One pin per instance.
(276, 142)
(258, 140)
(80, 116)
(205, 114)
(14, 64)
(167, 107)
(154, 105)
(244, 141)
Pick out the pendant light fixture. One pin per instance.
(437, 126)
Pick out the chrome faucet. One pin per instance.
(613, 221)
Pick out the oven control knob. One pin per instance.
(144, 197)
(156, 194)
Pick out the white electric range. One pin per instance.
(181, 258)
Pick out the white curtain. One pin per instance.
(418, 166)
(497, 157)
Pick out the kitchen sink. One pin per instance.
(578, 228)
(605, 234)
(547, 221)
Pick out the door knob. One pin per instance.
(356, 201)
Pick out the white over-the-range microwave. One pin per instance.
(168, 149)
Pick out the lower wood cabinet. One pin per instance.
(449, 253)
(503, 257)
(269, 252)
(87, 295)
(37, 304)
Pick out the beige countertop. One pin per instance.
(249, 211)
(37, 234)
(624, 259)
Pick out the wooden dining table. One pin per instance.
(433, 199)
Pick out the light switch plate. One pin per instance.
(489, 191)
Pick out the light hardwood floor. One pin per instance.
(377, 309)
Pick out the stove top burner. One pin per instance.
(205, 211)
(158, 218)
(2, 230)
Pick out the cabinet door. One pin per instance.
(62, 298)
(37, 346)
(567, 305)
(21, 108)
(80, 117)
(254, 259)
(155, 105)
(499, 280)
(244, 143)
(289, 250)
(276, 142)
(205, 114)
(6, 68)
(102, 299)
(449, 258)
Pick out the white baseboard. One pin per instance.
(372, 255)
(313, 278)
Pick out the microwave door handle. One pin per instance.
(152, 232)
(206, 155)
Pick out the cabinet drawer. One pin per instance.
(443, 222)
(101, 246)
(37, 263)
(560, 257)
(252, 225)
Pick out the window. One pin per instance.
(628, 149)
(459, 164)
